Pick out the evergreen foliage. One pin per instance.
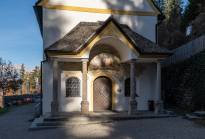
(192, 10)
(169, 34)
(36, 73)
(22, 71)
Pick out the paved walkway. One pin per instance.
(15, 125)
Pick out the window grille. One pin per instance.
(73, 87)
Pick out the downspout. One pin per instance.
(39, 16)
(160, 19)
(42, 82)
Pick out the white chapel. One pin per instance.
(100, 55)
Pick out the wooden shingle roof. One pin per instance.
(81, 35)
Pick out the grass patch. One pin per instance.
(176, 109)
(179, 111)
(200, 122)
(31, 120)
(3, 111)
(37, 116)
(24, 103)
(7, 109)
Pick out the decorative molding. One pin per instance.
(110, 32)
(43, 2)
(156, 12)
(73, 74)
(54, 58)
(159, 61)
(85, 60)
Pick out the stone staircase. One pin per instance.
(75, 118)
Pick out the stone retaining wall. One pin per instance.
(184, 82)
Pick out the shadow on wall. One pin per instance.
(58, 21)
(52, 27)
(128, 5)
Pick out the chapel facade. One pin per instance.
(100, 55)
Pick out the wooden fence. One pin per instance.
(185, 51)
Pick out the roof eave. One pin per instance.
(39, 15)
(57, 51)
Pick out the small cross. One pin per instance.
(111, 8)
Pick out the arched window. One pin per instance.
(127, 87)
(73, 87)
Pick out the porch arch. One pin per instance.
(113, 89)
(118, 44)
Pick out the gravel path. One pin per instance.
(14, 125)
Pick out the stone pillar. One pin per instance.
(159, 107)
(54, 103)
(132, 103)
(84, 102)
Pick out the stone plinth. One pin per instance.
(84, 107)
(132, 107)
(54, 109)
(159, 107)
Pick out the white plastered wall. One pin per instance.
(127, 5)
(67, 104)
(145, 88)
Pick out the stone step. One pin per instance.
(84, 119)
(169, 112)
(189, 116)
(200, 113)
(94, 118)
(47, 122)
(70, 123)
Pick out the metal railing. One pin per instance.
(38, 110)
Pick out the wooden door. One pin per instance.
(102, 94)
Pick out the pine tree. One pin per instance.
(33, 75)
(160, 4)
(191, 11)
(169, 34)
(22, 71)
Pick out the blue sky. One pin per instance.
(20, 39)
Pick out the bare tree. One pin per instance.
(9, 78)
